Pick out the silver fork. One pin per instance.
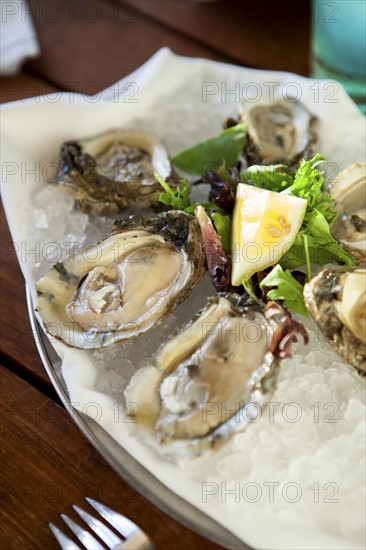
(133, 537)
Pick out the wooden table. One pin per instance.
(47, 463)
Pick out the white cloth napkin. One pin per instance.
(18, 40)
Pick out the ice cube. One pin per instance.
(40, 220)
(53, 199)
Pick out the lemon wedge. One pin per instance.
(264, 227)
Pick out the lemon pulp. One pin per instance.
(265, 225)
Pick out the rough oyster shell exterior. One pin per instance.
(110, 172)
(324, 297)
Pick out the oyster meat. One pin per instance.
(124, 285)
(349, 194)
(279, 132)
(205, 382)
(112, 171)
(337, 301)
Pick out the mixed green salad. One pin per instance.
(311, 247)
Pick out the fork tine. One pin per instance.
(99, 528)
(123, 525)
(63, 540)
(84, 537)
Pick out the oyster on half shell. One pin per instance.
(124, 285)
(204, 384)
(349, 194)
(279, 131)
(111, 171)
(337, 301)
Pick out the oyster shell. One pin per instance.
(279, 132)
(124, 285)
(349, 194)
(203, 382)
(112, 171)
(337, 301)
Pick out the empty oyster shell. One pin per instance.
(205, 383)
(279, 132)
(337, 301)
(124, 285)
(349, 194)
(112, 171)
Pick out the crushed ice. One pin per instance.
(308, 448)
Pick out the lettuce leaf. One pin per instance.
(178, 197)
(308, 184)
(270, 177)
(223, 227)
(218, 262)
(284, 287)
(225, 147)
(323, 249)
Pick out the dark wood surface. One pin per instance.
(47, 465)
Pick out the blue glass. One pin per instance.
(339, 45)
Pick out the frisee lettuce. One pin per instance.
(270, 177)
(178, 197)
(308, 184)
(320, 213)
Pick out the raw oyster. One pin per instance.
(124, 285)
(112, 171)
(206, 382)
(337, 301)
(279, 132)
(349, 194)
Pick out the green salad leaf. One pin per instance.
(314, 242)
(249, 287)
(270, 177)
(322, 248)
(284, 287)
(308, 184)
(209, 207)
(177, 198)
(223, 227)
(226, 146)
